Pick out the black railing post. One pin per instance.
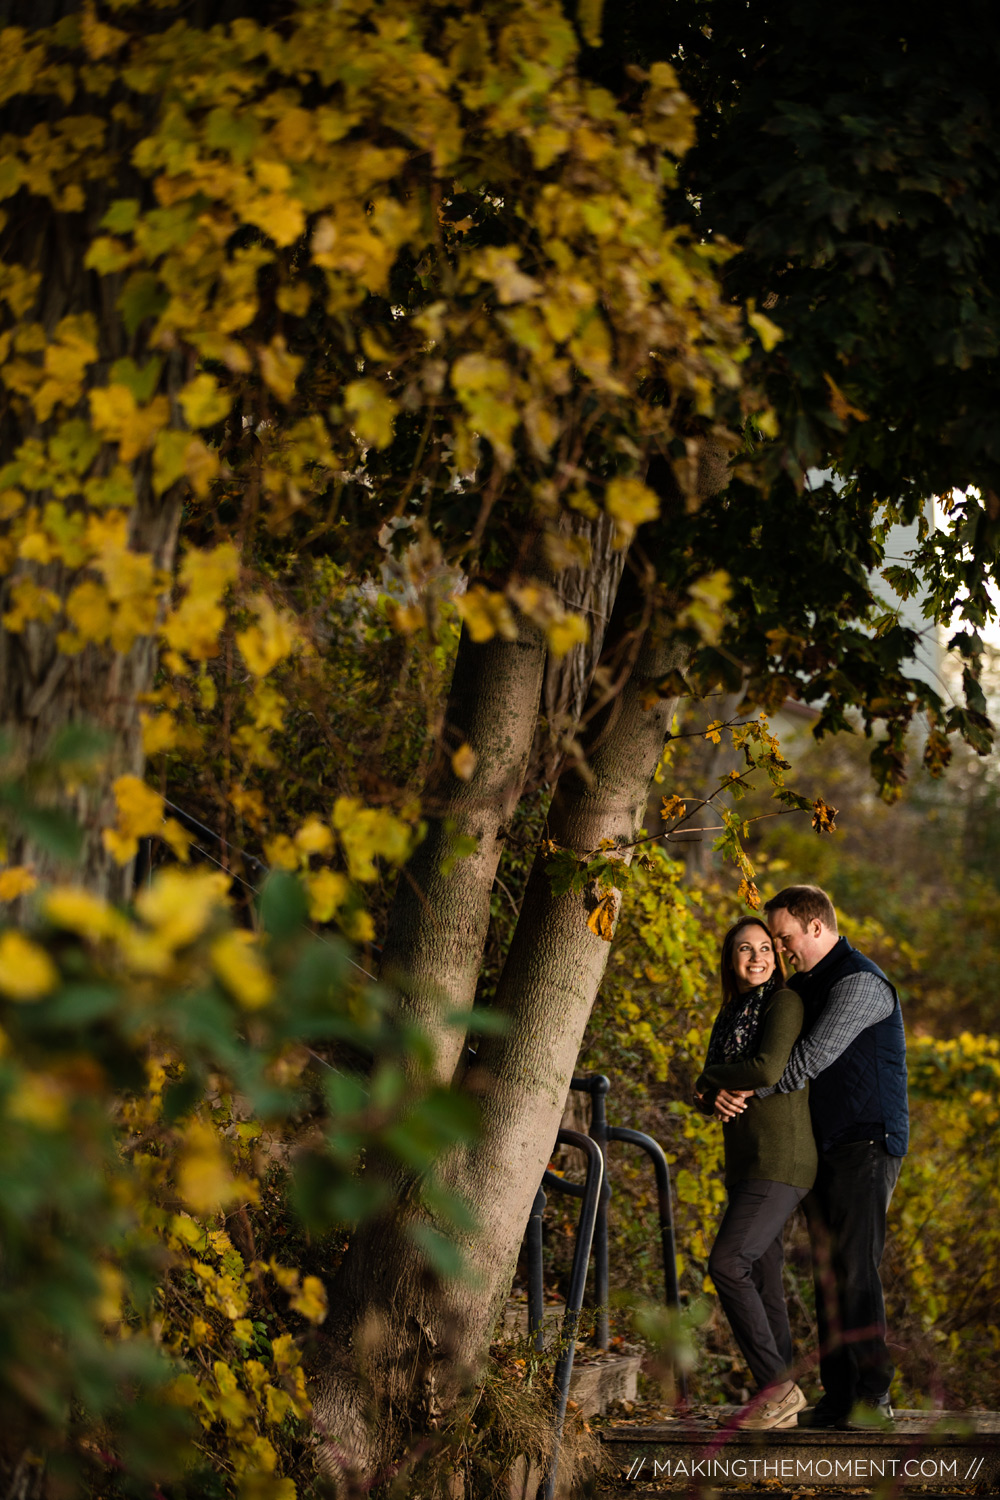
(536, 1304)
(667, 1237)
(591, 1193)
(598, 1087)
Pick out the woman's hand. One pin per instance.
(730, 1103)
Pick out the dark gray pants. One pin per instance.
(846, 1212)
(745, 1264)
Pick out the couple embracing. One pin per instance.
(808, 1075)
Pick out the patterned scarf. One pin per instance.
(734, 1034)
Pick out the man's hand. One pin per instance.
(730, 1104)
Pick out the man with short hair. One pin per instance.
(853, 1049)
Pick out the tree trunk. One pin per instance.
(589, 590)
(441, 910)
(400, 1343)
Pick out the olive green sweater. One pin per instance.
(772, 1140)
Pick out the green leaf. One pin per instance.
(283, 905)
(443, 1256)
(324, 1197)
(183, 1094)
(80, 1004)
(142, 382)
(53, 830)
(78, 742)
(122, 216)
(449, 1206)
(345, 1094)
(141, 297)
(481, 1021)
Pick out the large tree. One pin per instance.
(315, 275)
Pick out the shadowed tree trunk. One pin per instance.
(399, 1344)
(441, 909)
(588, 590)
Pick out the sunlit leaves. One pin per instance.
(26, 971)
(372, 412)
(486, 614)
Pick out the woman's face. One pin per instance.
(753, 958)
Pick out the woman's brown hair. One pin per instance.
(729, 986)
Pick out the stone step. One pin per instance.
(594, 1386)
(597, 1380)
(704, 1450)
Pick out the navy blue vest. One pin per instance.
(862, 1095)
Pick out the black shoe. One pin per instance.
(868, 1414)
(824, 1414)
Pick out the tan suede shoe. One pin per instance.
(783, 1413)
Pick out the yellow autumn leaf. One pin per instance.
(15, 881)
(111, 1294)
(279, 368)
(601, 920)
(26, 970)
(328, 891)
(30, 602)
(179, 904)
(286, 1276)
(706, 610)
(203, 402)
(88, 608)
(239, 966)
(673, 807)
(177, 837)
(310, 1300)
(248, 804)
(280, 217)
(183, 455)
(80, 911)
(38, 1099)
(204, 1179)
(273, 637)
(463, 762)
(565, 632)
(769, 333)
(840, 405)
(66, 358)
(371, 411)
(279, 1405)
(159, 732)
(630, 502)
(314, 837)
(117, 415)
(370, 833)
(255, 1485)
(485, 615)
(281, 853)
(140, 815)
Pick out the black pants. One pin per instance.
(745, 1264)
(846, 1212)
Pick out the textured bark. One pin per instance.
(589, 591)
(399, 1344)
(438, 921)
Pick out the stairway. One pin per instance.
(703, 1453)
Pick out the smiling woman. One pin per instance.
(770, 1163)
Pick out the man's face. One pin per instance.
(804, 944)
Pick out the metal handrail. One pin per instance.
(598, 1086)
(590, 1192)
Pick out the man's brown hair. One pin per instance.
(806, 903)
